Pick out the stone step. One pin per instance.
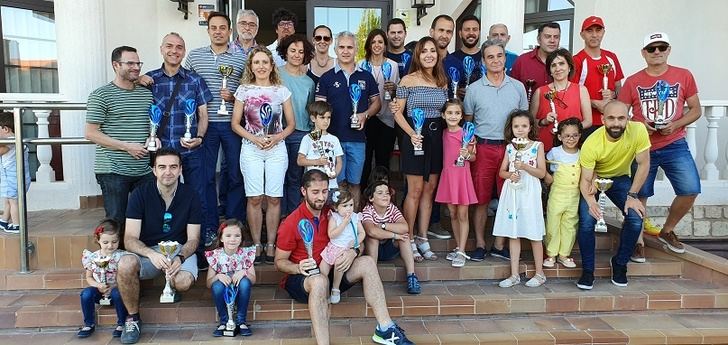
(22, 309)
(490, 268)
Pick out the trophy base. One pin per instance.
(354, 126)
(387, 96)
(313, 271)
(460, 162)
(105, 301)
(187, 139)
(418, 153)
(152, 148)
(600, 228)
(223, 112)
(232, 333)
(659, 125)
(166, 298)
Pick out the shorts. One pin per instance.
(352, 162)
(295, 289)
(263, 170)
(484, 169)
(148, 271)
(331, 253)
(9, 182)
(387, 250)
(677, 162)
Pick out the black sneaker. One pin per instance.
(619, 273)
(500, 253)
(392, 336)
(210, 239)
(131, 332)
(478, 254)
(586, 282)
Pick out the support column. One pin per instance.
(507, 12)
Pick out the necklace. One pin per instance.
(325, 63)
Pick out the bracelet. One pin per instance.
(200, 137)
(181, 258)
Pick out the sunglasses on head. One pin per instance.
(662, 48)
(319, 38)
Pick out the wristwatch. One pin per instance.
(633, 195)
(383, 226)
(181, 258)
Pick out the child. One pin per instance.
(520, 212)
(387, 232)
(107, 235)
(562, 215)
(325, 153)
(231, 264)
(8, 176)
(456, 184)
(345, 231)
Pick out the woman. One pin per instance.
(263, 101)
(570, 99)
(321, 62)
(380, 128)
(297, 52)
(425, 88)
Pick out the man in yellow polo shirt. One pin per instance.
(609, 153)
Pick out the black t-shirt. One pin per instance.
(398, 57)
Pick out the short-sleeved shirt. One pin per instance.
(559, 155)
(639, 92)
(611, 159)
(255, 97)
(334, 88)
(490, 105)
(192, 86)
(456, 60)
(529, 66)
(331, 148)
(147, 205)
(290, 240)
(302, 90)
(239, 46)
(510, 61)
(222, 262)
(88, 260)
(122, 115)
(587, 73)
(391, 215)
(403, 65)
(206, 63)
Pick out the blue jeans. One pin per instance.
(292, 184)
(677, 162)
(243, 297)
(220, 133)
(115, 189)
(91, 295)
(193, 166)
(631, 227)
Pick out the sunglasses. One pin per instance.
(319, 38)
(651, 49)
(167, 219)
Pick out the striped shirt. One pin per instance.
(392, 215)
(206, 63)
(123, 115)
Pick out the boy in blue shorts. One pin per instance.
(8, 176)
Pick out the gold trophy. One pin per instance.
(103, 262)
(226, 71)
(168, 249)
(602, 185)
(550, 95)
(519, 144)
(604, 70)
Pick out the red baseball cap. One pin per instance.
(591, 21)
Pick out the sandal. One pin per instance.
(510, 281)
(270, 259)
(86, 331)
(550, 262)
(459, 260)
(567, 262)
(415, 253)
(537, 280)
(259, 255)
(424, 248)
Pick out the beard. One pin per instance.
(470, 45)
(315, 204)
(615, 132)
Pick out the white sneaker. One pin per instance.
(452, 255)
(510, 281)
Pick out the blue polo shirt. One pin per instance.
(334, 88)
(147, 204)
(397, 57)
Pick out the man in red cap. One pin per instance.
(590, 65)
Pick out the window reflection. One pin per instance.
(30, 58)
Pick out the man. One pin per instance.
(163, 210)
(532, 65)
(499, 31)
(396, 37)
(488, 103)
(206, 61)
(609, 153)
(247, 26)
(441, 30)
(587, 71)
(470, 36)
(333, 87)
(669, 149)
(117, 121)
(291, 259)
(284, 22)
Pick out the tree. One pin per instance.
(370, 20)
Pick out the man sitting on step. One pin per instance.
(165, 210)
(292, 259)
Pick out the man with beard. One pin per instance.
(470, 36)
(396, 36)
(117, 121)
(499, 31)
(532, 65)
(284, 22)
(609, 153)
(441, 31)
(247, 26)
(292, 259)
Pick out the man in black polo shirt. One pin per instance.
(165, 210)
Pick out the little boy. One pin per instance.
(8, 176)
(320, 149)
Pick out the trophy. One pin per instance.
(190, 107)
(305, 229)
(355, 94)
(406, 57)
(468, 133)
(168, 249)
(387, 73)
(663, 93)
(418, 119)
(266, 116)
(454, 80)
(550, 95)
(103, 263)
(530, 84)
(483, 70)
(602, 185)
(231, 291)
(226, 71)
(367, 66)
(604, 70)
(316, 136)
(519, 144)
(155, 117)
(469, 68)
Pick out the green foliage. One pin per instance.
(369, 21)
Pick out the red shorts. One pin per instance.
(485, 169)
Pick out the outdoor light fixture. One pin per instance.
(422, 6)
(183, 6)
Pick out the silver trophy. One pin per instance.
(155, 117)
(231, 292)
(418, 120)
(226, 71)
(355, 95)
(168, 249)
(190, 107)
(602, 185)
(103, 262)
(387, 73)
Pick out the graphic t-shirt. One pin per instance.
(328, 146)
(255, 98)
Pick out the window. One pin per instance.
(545, 11)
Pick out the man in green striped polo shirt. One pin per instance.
(117, 121)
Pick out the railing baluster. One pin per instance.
(45, 173)
(710, 170)
(690, 137)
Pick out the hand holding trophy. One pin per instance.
(602, 185)
(663, 93)
(305, 229)
(103, 262)
(226, 71)
(387, 73)
(266, 116)
(604, 70)
(190, 108)
(550, 95)
(454, 80)
(355, 95)
(468, 133)
(155, 117)
(318, 144)
(418, 120)
(530, 84)
(168, 249)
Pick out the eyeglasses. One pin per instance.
(319, 38)
(651, 49)
(571, 136)
(251, 25)
(167, 219)
(285, 24)
(131, 63)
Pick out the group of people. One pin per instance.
(307, 132)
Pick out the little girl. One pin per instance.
(456, 184)
(107, 236)
(345, 231)
(520, 212)
(562, 215)
(231, 264)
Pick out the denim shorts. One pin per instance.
(353, 162)
(677, 162)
